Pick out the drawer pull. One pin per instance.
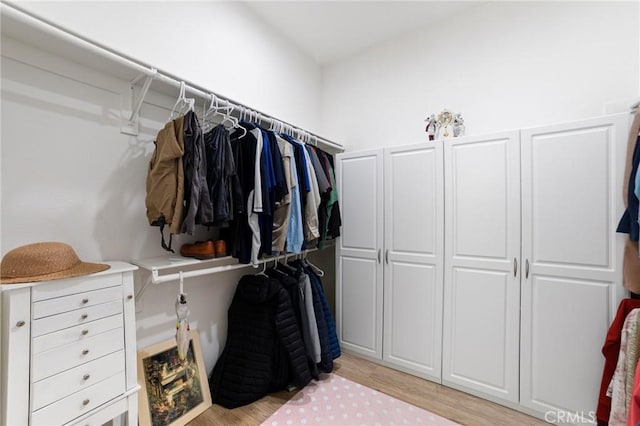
(20, 324)
(86, 351)
(85, 332)
(86, 377)
(85, 402)
(129, 297)
(85, 301)
(84, 316)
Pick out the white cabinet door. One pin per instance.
(571, 191)
(359, 270)
(414, 228)
(482, 252)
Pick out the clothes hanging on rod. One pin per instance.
(280, 333)
(247, 183)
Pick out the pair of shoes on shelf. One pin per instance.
(204, 249)
(199, 250)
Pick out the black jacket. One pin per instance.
(264, 351)
(197, 200)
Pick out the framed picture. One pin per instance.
(173, 391)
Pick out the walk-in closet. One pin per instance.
(319, 212)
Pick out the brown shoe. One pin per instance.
(221, 248)
(199, 250)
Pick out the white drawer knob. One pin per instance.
(85, 332)
(20, 324)
(86, 351)
(85, 301)
(85, 402)
(86, 377)
(84, 316)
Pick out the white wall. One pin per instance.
(68, 174)
(220, 45)
(504, 65)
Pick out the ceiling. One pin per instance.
(329, 31)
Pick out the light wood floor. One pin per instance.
(446, 402)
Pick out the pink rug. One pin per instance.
(336, 401)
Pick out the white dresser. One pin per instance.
(68, 350)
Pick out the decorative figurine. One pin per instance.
(458, 125)
(431, 126)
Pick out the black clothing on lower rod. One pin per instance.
(264, 351)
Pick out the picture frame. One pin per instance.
(172, 392)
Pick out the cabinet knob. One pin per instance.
(85, 301)
(85, 402)
(86, 377)
(85, 351)
(84, 316)
(85, 332)
(129, 297)
(20, 324)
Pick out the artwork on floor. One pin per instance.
(173, 391)
(337, 401)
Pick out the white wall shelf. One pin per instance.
(171, 268)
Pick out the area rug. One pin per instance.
(336, 401)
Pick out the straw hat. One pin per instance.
(44, 262)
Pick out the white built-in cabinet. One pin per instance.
(389, 305)
(490, 264)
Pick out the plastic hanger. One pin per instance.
(182, 102)
(315, 269)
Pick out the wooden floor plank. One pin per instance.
(441, 400)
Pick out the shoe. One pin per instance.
(220, 248)
(199, 250)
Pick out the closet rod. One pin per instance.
(16, 12)
(159, 279)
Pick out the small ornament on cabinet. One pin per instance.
(445, 125)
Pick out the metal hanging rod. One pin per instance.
(145, 71)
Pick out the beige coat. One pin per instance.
(631, 260)
(165, 178)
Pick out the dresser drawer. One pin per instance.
(106, 413)
(51, 389)
(79, 403)
(51, 362)
(54, 289)
(63, 337)
(75, 301)
(69, 319)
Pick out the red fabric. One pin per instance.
(634, 406)
(610, 350)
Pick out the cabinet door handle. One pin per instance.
(379, 255)
(515, 267)
(526, 268)
(85, 332)
(86, 377)
(85, 351)
(85, 301)
(20, 324)
(85, 402)
(129, 297)
(84, 316)
(386, 256)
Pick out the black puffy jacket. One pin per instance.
(264, 351)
